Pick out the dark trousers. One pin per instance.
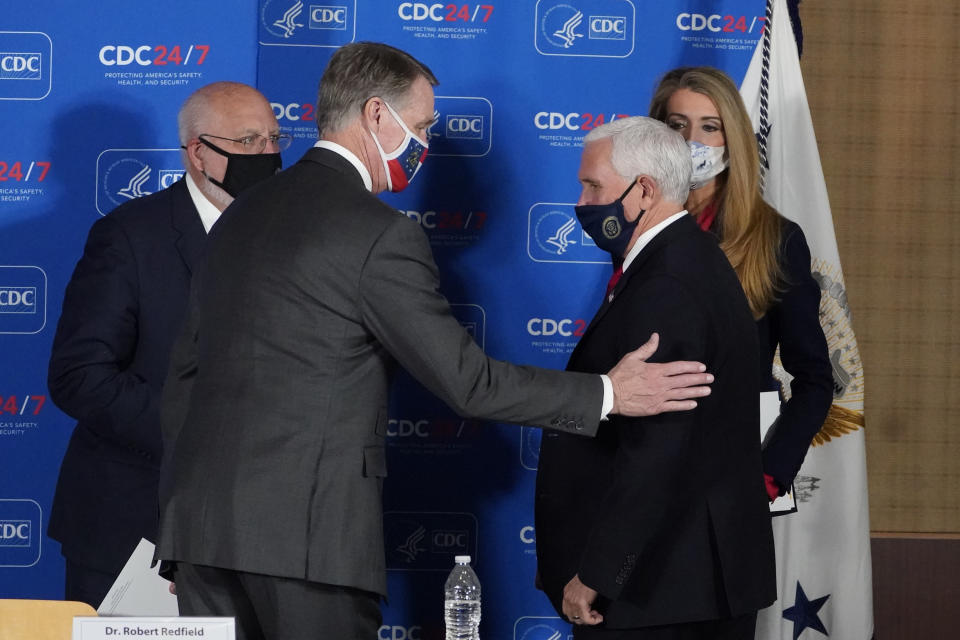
(84, 584)
(739, 628)
(274, 608)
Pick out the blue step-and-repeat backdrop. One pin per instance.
(88, 100)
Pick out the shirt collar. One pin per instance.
(209, 213)
(350, 157)
(649, 235)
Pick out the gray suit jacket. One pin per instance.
(276, 404)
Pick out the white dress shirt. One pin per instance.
(209, 213)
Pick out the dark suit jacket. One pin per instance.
(665, 516)
(121, 312)
(793, 324)
(277, 400)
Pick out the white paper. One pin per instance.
(162, 627)
(139, 590)
(769, 412)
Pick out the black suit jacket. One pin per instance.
(792, 323)
(276, 405)
(121, 312)
(665, 516)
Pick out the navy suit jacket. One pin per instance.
(665, 516)
(793, 324)
(121, 312)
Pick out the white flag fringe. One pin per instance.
(823, 551)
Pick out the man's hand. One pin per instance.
(643, 388)
(578, 603)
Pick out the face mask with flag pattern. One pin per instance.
(403, 163)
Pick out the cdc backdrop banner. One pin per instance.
(88, 97)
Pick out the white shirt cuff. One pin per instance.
(607, 405)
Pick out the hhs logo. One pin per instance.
(125, 174)
(293, 23)
(462, 127)
(603, 28)
(541, 628)
(428, 541)
(554, 235)
(25, 65)
(20, 533)
(23, 299)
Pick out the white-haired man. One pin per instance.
(658, 528)
(121, 311)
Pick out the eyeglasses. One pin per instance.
(256, 143)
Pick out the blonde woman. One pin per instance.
(768, 252)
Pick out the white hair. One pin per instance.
(203, 106)
(207, 101)
(644, 146)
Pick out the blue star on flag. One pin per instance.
(803, 613)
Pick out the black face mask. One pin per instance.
(607, 225)
(244, 169)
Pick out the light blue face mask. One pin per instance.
(708, 162)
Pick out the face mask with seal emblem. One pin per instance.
(607, 225)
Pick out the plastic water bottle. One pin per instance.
(461, 607)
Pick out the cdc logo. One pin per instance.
(125, 174)
(292, 23)
(18, 300)
(608, 28)
(603, 28)
(554, 235)
(25, 65)
(23, 299)
(463, 127)
(541, 628)
(469, 127)
(20, 533)
(399, 632)
(328, 17)
(428, 541)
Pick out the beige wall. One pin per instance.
(883, 79)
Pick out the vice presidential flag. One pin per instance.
(823, 550)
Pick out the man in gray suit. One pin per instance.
(276, 402)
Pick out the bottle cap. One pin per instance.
(462, 559)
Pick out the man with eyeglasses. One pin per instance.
(122, 308)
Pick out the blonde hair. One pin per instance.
(749, 227)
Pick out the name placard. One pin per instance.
(182, 628)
